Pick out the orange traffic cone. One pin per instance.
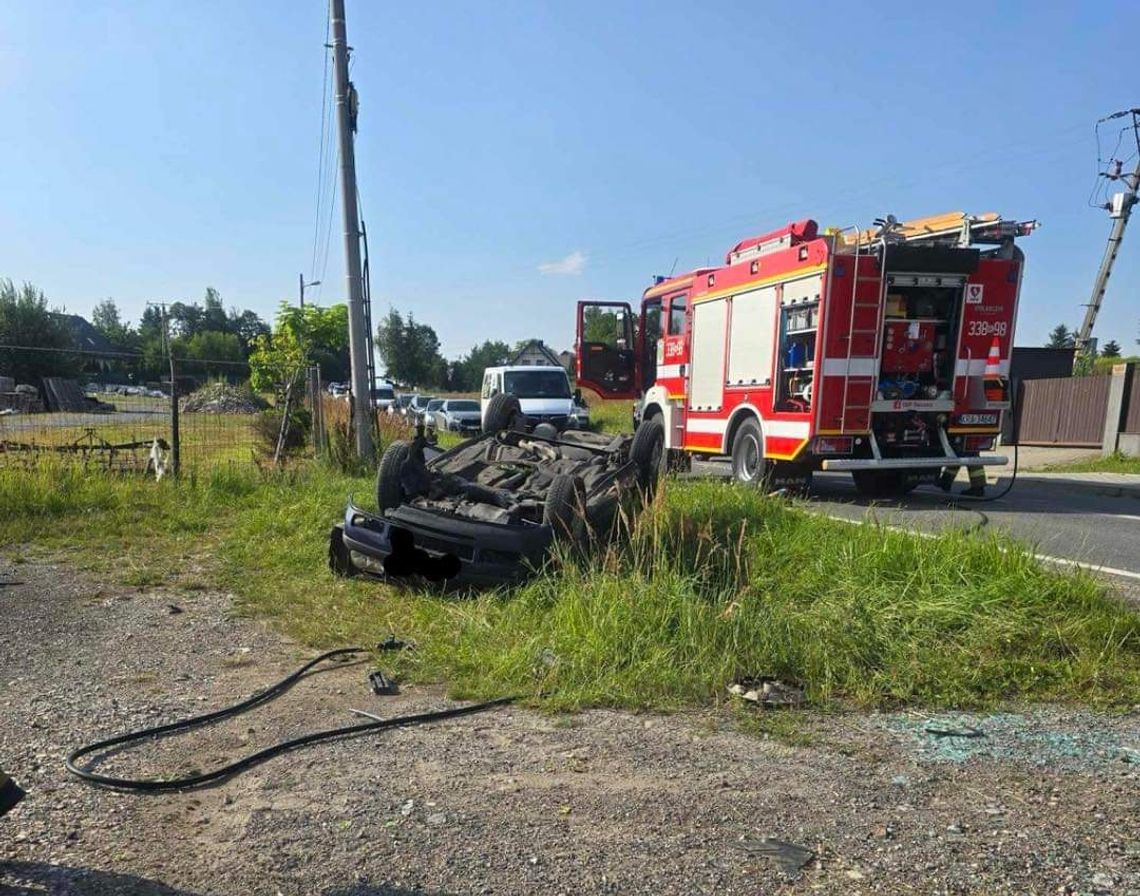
(992, 379)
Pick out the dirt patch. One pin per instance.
(513, 801)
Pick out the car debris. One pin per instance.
(767, 692)
(964, 731)
(791, 858)
(488, 511)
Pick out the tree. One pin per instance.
(247, 326)
(105, 318)
(410, 350)
(300, 337)
(214, 314)
(1061, 337)
(467, 374)
(26, 321)
(1111, 349)
(210, 345)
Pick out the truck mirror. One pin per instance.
(577, 396)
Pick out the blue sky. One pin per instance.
(514, 157)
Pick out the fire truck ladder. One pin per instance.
(875, 333)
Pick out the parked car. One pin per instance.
(338, 389)
(458, 415)
(489, 510)
(419, 405)
(429, 410)
(402, 403)
(383, 396)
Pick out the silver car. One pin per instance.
(458, 415)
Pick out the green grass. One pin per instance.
(609, 415)
(1114, 463)
(714, 583)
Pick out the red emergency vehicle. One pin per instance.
(884, 352)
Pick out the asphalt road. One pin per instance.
(1059, 520)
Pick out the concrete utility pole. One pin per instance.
(357, 328)
(1120, 208)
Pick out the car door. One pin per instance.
(605, 357)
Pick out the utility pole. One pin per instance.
(357, 328)
(1119, 208)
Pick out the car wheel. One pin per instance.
(648, 452)
(748, 463)
(881, 483)
(546, 431)
(565, 510)
(389, 490)
(502, 411)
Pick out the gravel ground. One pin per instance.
(513, 801)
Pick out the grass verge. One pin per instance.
(1114, 463)
(713, 583)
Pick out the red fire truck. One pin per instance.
(883, 352)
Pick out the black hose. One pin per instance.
(1016, 443)
(227, 771)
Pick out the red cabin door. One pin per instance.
(606, 360)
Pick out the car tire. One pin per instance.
(389, 488)
(565, 509)
(749, 467)
(546, 431)
(502, 412)
(648, 452)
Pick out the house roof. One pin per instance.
(84, 336)
(536, 346)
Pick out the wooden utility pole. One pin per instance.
(357, 327)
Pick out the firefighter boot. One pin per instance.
(10, 793)
(947, 477)
(977, 482)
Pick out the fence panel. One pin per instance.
(1132, 415)
(1066, 412)
(118, 412)
(106, 411)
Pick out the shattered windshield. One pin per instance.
(537, 383)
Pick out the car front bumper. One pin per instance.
(488, 553)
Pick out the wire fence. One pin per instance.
(122, 412)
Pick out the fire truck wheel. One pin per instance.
(881, 483)
(648, 451)
(502, 411)
(389, 491)
(748, 463)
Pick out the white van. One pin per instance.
(544, 393)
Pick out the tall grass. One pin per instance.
(712, 583)
(717, 583)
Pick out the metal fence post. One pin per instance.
(175, 437)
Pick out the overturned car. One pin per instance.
(489, 510)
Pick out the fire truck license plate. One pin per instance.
(978, 419)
